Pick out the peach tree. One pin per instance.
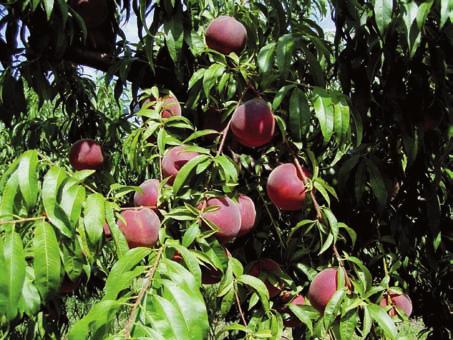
(240, 170)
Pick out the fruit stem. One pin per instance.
(148, 280)
(312, 195)
(227, 128)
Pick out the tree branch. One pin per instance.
(146, 285)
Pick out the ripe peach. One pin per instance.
(293, 321)
(225, 34)
(150, 194)
(264, 269)
(141, 228)
(169, 106)
(86, 154)
(248, 214)
(174, 159)
(227, 217)
(253, 123)
(400, 301)
(285, 187)
(323, 286)
(93, 12)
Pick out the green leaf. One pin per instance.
(211, 75)
(377, 183)
(280, 95)
(94, 217)
(72, 197)
(348, 324)
(48, 7)
(95, 324)
(299, 114)
(324, 111)
(383, 14)
(258, 286)
(30, 301)
(50, 189)
(332, 308)
(300, 313)
(13, 274)
(184, 172)
(174, 36)
(8, 200)
(265, 57)
(285, 50)
(28, 177)
(121, 274)
(46, 259)
(384, 321)
(191, 308)
(446, 12)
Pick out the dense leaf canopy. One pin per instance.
(363, 113)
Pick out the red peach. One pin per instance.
(322, 288)
(262, 269)
(150, 194)
(253, 123)
(174, 159)
(227, 217)
(86, 154)
(285, 187)
(400, 301)
(248, 214)
(141, 227)
(225, 34)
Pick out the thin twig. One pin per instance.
(238, 302)
(138, 301)
(227, 127)
(23, 220)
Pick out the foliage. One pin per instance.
(367, 110)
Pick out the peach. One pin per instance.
(93, 12)
(248, 214)
(263, 269)
(285, 187)
(150, 194)
(169, 106)
(225, 35)
(174, 159)
(293, 321)
(86, 154)
(400, 301)
(227, 217)
(253, 123)
(322, 288)
(140, 227)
